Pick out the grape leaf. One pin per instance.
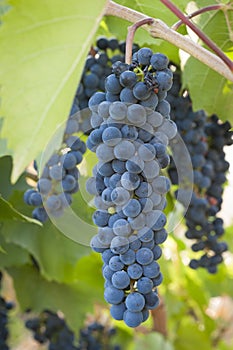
(152, 341)
(6, 187)
(55, 254)
(208, 89)
(7, 212)
(44, 45)
(118, 27)
(12, 255)
(34, 292)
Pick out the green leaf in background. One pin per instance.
(208, 89)
(43, 48)
(190, 337)
(12, 255)
(6, 187)
(152, 341)
(34, 292)
(7, 212)
(55, 254)
(156, 9)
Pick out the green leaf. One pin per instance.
(44, 45)
(7, 212)
(190, 337)
(34, 292)
(55, 254)
(12, 255)
(118, 27)
(152, 341)
(208, 89)
(6, 187)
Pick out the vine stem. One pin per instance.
(198, 12)
(169, 4)
(159, 29)
(130, 37)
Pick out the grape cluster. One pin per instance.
(4, 309)
(98, 67)
(204, 138)
(59, 178)
(96, 336)
(131, 131)
(50, 328)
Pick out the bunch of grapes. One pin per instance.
(59, 178)
(204, 138)
(4, 309)
(98, 67)
(131, 132)
(52, 329)
(49, 327)
(97, 336)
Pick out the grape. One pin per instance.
(112, 84)
(104, 152)
(91, 80)
(57, 172)
(132, 208)
(124, 150)
(135, 302)
(129, 132)
(68, 183)
(107, 273)
(144, 285)
(121, 227)
(53, 203)
(111, 136)
(127, 95)
(35, 199)
(120, 279)
(40, 214)
(120, 195)
(100, 218)
(135, 271)
(130, 181)
(141, 91)
(160, 236)
(113, 295)
(118, 110)
(159, 61)
(152, 300)
(115, 263)
(144, 256)
(145, 234)
(151, 270)
(146, 152)
(136, 115)
(150, 102)
(132, 319)
(128, 258)
(144, 190)
(119, 245)
(107, 255)
(95, 100)
(135, 165)
(128, 79)
(164, 80)
(118, 166)
(144, 55)
(138, 222)
(117, 311)
(105, 235)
